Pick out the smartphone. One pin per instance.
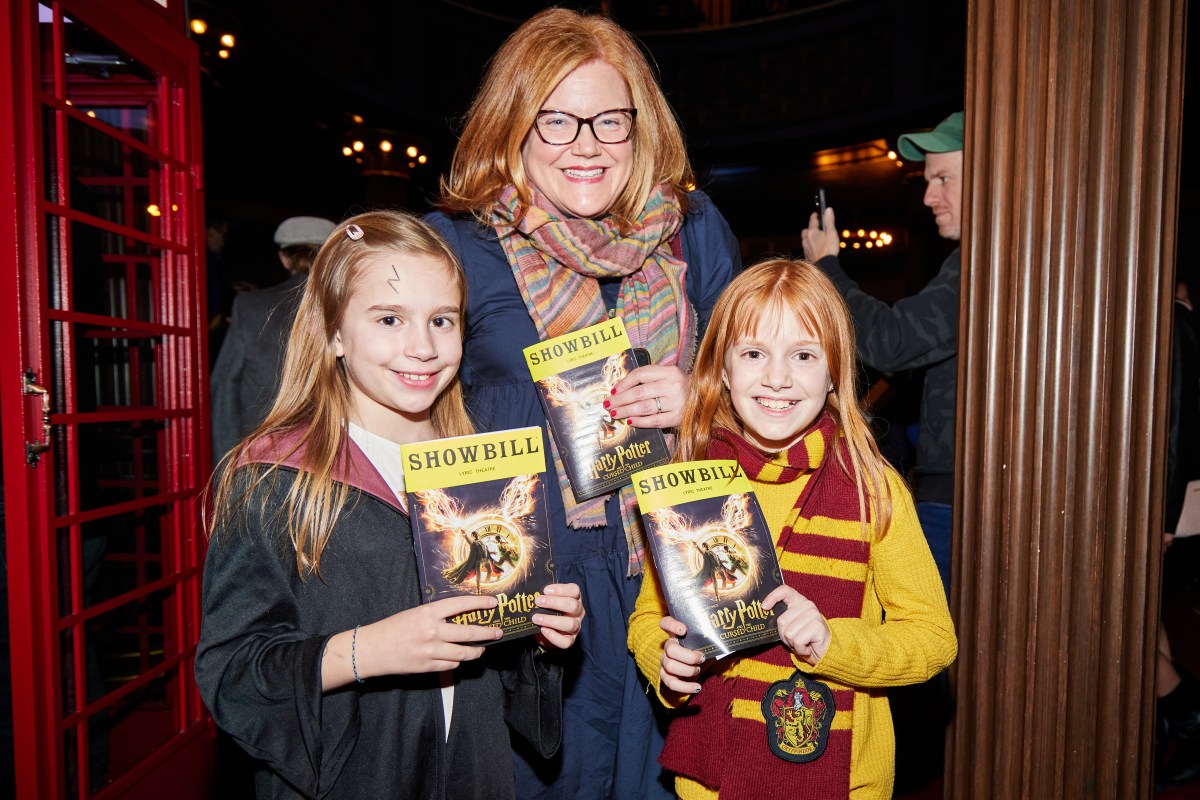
(642, 356)
(820, 203)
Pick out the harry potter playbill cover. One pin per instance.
(574, 374)
(480, 522)
(713, 552)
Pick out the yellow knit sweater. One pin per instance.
(916, 642)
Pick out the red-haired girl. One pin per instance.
(862, 607)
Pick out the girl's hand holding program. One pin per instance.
(559, 630)
(801, 627)
(680, 666)
(423, 639)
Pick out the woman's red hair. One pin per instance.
(519, 78)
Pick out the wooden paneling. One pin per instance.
(1072, 154)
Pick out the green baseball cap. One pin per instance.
(945, 138)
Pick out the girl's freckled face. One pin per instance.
(778, 380)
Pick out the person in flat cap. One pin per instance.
(917, 331)
(245, 376)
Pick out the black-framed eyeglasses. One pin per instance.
(608, 127)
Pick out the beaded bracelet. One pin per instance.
(353, 649)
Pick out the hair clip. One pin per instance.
(354, 232)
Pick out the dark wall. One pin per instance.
(756, 100)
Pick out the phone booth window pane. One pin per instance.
(112, 368)
(130, 469)
(127, 641)
(101, 78)
(111, 180)
(49, 57)
(110, 276)
(128, 554)
(66, 650)
(51, 168)
(71, 762)
(133, 727)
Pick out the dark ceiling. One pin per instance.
(760, 95)
(757, 98)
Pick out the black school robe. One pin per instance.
(258, 663)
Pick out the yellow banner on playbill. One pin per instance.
(672, 484)
(561, 353)
(462, 460)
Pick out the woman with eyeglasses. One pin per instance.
(567, 202)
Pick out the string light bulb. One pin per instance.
(873, 240)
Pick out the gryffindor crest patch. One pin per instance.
(799, 713)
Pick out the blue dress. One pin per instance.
(612, 730)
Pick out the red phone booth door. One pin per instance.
(103, 430)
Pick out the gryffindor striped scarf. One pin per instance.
(719, 738)
(557, 262)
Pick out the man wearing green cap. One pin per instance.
(917, 331)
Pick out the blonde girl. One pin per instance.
(316, 653)
(862, 607)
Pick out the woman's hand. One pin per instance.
(559, 630)
(422, 639)
(801, 627)
(650, 397)
(679, 666)
(819, 243)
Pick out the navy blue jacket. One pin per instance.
(611, 738)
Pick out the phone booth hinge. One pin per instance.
(34, 450)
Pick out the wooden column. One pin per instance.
(1072, 160)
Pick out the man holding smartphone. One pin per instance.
(917, 331)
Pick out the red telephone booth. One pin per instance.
(103, 412)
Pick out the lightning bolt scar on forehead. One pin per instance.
(393, 281)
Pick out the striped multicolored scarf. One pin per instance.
(557, 262)
(720, 737)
